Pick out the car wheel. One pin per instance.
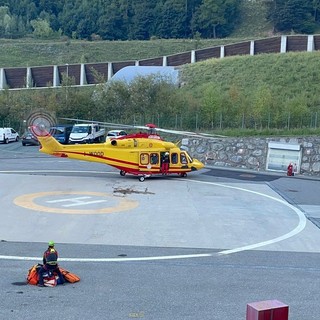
(17, 139)
(6, 141)
(23, 144)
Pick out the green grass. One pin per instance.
(31, 52)
(270, 90)
(290, 73)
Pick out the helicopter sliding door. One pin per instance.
(149, 162)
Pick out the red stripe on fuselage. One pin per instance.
(94, 156)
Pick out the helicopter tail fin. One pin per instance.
(49, 145)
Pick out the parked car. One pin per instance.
(86, 133)
(115, 134)
(8, 134)
(28, 138)
(61, 132)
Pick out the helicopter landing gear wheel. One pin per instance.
(141, 179)
(122, 173)
(183, 175)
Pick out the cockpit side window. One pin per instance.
(183, 158)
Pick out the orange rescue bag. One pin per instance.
(69, 276)
(33, 277)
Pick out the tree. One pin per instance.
(173, 20)
(142, 25)
(41, 28)
(316, 10)
(113, 21)
(293, 15)
(5, 21)
(216, 18)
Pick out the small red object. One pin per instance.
(267, 310)
(151, 125)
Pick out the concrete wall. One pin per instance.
(251, 153)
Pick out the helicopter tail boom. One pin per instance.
(49, 145)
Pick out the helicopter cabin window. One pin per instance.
(174, 158)
(154, 158)
(183, 158)
(144, 158)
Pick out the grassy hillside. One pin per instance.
(31, 52)
(264, 91)
(291, 73)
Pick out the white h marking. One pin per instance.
(76, 201)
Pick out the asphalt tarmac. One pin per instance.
(201, 247)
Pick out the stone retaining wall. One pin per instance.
(251, 153)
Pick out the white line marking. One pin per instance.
(59, 171)
(68, 199)
(83, 203)
(301, 225)
(185, 256)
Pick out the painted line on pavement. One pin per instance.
(58, 171)
(301, 225)
(184, 256)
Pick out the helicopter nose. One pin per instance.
(197, 165)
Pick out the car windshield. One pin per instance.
(57, 131)
(82, 129)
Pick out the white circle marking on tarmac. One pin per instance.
(301, 225)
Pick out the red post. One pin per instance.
(267, 310)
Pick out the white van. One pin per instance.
(8, 134)
(86, 133)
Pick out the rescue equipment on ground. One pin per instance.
(50, 279)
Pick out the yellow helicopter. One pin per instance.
(140, 154)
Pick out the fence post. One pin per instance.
(310, 46)
(283, 47)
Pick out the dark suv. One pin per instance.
(61, 132)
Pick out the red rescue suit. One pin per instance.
(290, 170)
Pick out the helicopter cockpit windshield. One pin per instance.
(189, 157)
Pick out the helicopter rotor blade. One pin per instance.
(148, 127)
(104, 124)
